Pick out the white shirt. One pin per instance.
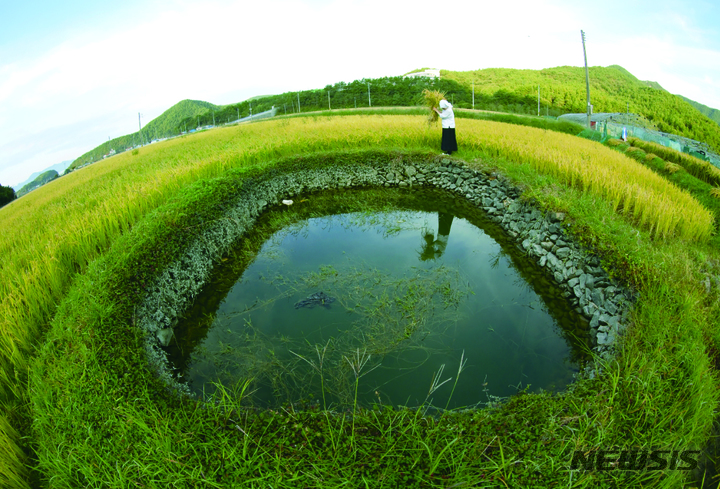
(447, 117)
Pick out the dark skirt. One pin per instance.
(449, 143)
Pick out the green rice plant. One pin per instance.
(644, 197)
(672, 167)
(635, 153)
(701, 169)
(49, 238)
(650, 156)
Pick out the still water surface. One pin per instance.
(392, 292)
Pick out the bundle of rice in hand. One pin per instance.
(432, 98)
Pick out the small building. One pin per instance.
(429, 73)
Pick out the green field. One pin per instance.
(81, 409)
(502, 90)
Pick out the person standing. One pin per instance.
(447, 117)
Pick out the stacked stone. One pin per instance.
(587, 286)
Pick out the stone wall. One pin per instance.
(587, 286)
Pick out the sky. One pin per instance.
(74, 73)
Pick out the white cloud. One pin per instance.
(216, 50)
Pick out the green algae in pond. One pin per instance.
(419, 281)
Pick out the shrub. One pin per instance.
(7, 195)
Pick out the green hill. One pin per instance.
(39, 181)
(166, 124)
(562, 91)
(612, 88)
(712, 114)
(162, 126)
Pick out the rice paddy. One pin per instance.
(653, 232)
(703, 170)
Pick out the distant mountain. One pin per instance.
(59, 167)
(712, 114)
(39, 181)
(162, 126)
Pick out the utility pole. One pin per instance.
(587, 79)
(298, 94)
(140, 129)
(473, 90)
(329, 108)
(369, 101)
(238, 109)
(213, 117)
(250, 110)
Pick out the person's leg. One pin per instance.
(446, 145)
(452, 141)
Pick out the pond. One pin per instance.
(395, 297)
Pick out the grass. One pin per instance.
(707, 172)
(89, 240)
(704, 192)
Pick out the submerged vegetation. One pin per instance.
(79, 252)
(392, 314)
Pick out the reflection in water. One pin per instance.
(477, 298)
(434, 248)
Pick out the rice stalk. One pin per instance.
(431, 99)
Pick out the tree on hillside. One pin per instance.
(7, 195)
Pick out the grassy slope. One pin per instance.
(162, 126)
(166, 122)
(665, 366)
(41, 179)
(712, 114)
(506, 90)
(611, 88)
